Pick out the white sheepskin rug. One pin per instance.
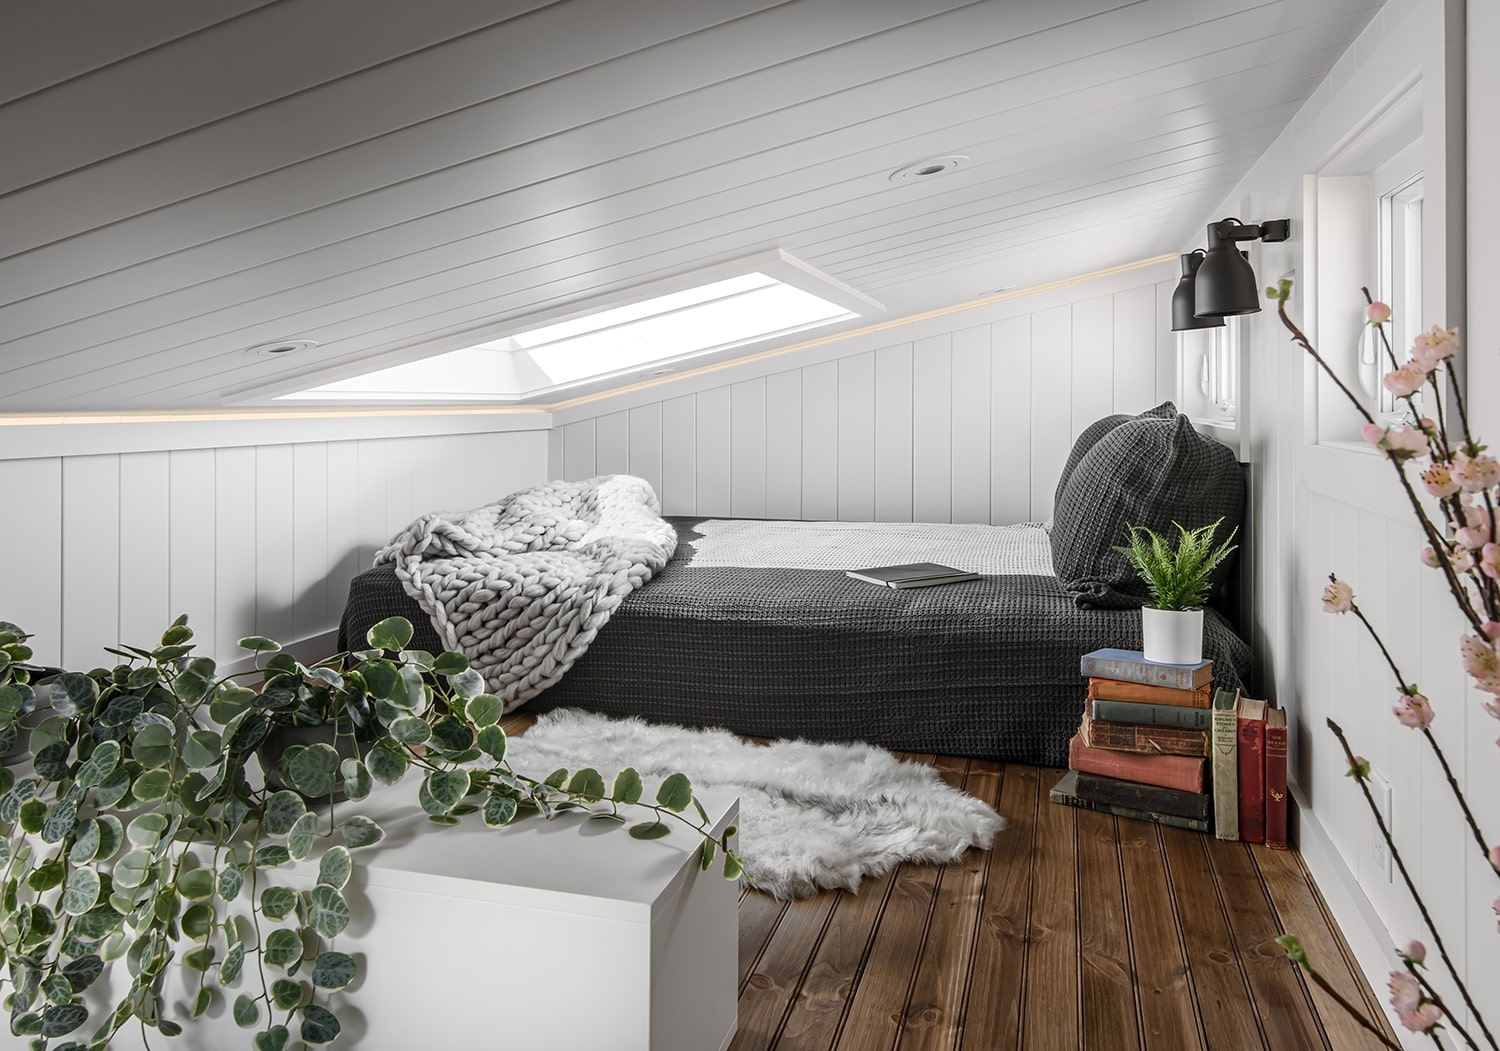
(812, 816)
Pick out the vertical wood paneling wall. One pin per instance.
(967, 420)
(1322, 508)
(246, 540)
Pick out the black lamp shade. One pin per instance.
(1184, 317)
(1225, 285)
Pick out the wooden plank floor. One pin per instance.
(1078, 930)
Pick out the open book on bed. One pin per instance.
(911, 575)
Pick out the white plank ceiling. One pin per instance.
(183, 179)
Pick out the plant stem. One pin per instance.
(1349, 1009)
(1411, 887)
(1438, 1000)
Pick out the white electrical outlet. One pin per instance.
(1380, 789)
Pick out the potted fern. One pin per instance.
(1180, 580)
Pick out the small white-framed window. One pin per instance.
(1219, 375)
(1398, 219)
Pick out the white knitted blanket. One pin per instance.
(521, 586)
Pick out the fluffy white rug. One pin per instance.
(812, 816)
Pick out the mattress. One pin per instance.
(753, 626)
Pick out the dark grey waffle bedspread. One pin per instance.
(985, 668)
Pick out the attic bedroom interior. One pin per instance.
(749, 524)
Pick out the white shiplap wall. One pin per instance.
(245, 539)
(963, 418)
(1324, 508)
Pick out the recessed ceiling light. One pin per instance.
(929, 169)
(277, 348)
(994, 292)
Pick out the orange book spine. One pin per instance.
(1165, 771)
(1114, 690)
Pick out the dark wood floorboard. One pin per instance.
(1077, 930)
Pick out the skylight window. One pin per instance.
(730, 307)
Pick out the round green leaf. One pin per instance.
(333, 970)
(327, 911)
(649, 830)
(393, 633)
(675, 793)
(86, 844)
(146, 829)
(246, 1011)
(386, 764)
(81, 893)
(111, 836)
(484, 710)
(72, 693)
(199, 958)
(492, 740)
(198, 920)
(588, 784)
(732, 867)
(273, 1039)
(452, 734)
(282, 811)
(61, 1019)
(335, 867)
(287, 993)
(113, 789)
(152, 745)
(229, 970)
(319, 1026)
(196, 884)
(356, 775)
(450, 663)
(201, 749)
(258, 644)
(82, 972)
(499, 810)
(442, 790)
(360, 831)
(628, 787)
(151, 785)
(202, 1001)
(410, 730)
(278, 902)
(271, 855)
(57, 990)
(299, 841)
(99, 765)
(47, 875)
(33, 815)
(312, 771)
(283, 948)
(468, 684)
(230, 881)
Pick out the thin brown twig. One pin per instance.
(1432, 995)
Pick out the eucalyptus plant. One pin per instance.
(142, 838)
(1180, 577)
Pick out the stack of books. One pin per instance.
(1157, 744)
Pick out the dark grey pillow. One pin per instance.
(1147, 472)
(1098, 429)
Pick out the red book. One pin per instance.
(1276, 779)
(1252, 770)
(1165, 771)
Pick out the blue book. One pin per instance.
(1132, 666)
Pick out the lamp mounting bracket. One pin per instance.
(1271, 231)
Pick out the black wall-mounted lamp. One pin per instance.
(1222, 283)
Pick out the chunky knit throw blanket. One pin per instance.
(521, 586)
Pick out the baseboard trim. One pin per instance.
(1369, 939)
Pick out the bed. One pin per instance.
(754, 626)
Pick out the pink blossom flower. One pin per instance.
(1430, 558)
(1462, 559)
(1406, 991)
(1338, 597)
(1377, 313)
(1435, 345)
(1422, 1019)
(1489, 561)
(1476, 530)
(1477, 473)
(1439, 480)
(1415, 951)
(1402, 442)
(1495, 857)
(1493, 708)
(1373, 433)
(1492, 630)
(1481, 661)
(1414, 711)
(1406, 380)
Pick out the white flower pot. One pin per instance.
(1172, 636)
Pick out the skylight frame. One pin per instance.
(775, 264)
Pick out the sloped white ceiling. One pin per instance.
(182, 179)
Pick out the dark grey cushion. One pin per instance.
(1148, 472)
(1098, 429)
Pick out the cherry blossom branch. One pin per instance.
(1437, 1001)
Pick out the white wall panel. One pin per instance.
(246, 540)
(1010, 420)
(784, 444)
(971, 425)
(893, 431)
(747, 443)
(1051, 401)
(932, 429)
(1093, 363)
(679, 475)
(31, 532)
(579, 450)
(612, 444)
(820, 441)
(145, 543)
(645, 445)
(856, 438)
(713, 459)
(1134, 339)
